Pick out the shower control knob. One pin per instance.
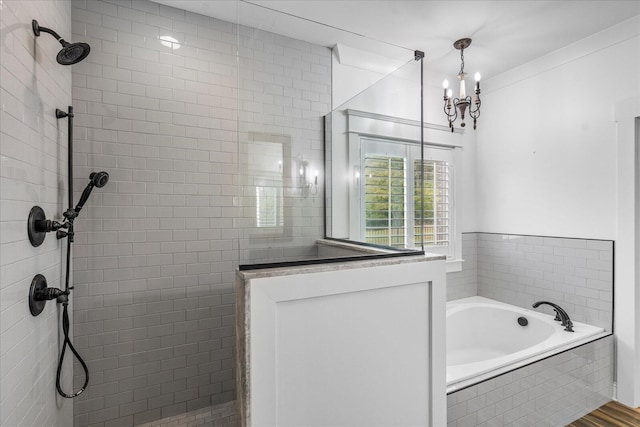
(38, 226)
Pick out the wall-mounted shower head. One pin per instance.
(71, 53)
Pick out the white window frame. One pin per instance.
(440, 144)
(410, 152)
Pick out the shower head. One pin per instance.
(99, 179)
(96, 179)
(71, 53)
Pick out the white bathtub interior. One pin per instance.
(484, 339)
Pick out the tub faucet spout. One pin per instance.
(561, 315)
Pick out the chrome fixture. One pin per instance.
(463, 102)
(561, 315)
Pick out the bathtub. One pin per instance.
(484, 339)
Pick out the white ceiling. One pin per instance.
(505, 33)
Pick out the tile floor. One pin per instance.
(222, 415)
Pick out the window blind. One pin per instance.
(269, 207)
(433, 218)
(385, 200)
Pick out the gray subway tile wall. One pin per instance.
(552, 392)
(575, 273)
(33, 171)
(156, 251)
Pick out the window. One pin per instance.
(385, 194)
(269, 207)
(432, 219)
(393, 181)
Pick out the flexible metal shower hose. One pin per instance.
(67, 341)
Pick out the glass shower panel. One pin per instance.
(284, 88)
(284, 92)
(373, 157)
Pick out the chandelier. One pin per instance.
(463, 103)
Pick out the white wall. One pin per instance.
(546, 147)
(548, 158)
(33, 171)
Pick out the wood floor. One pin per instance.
(612, 414)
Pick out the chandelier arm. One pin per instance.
(448, 107)
(475, 113)
(454, 104)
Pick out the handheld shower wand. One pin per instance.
(96, 179)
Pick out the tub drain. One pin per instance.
(522, 321)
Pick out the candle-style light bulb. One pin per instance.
(445, 85)
(477, 76)
(315, 179)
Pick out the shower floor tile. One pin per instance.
(222, 415)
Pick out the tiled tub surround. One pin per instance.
(33, 171)
(549, 393)
(156, 248)
(577, 274)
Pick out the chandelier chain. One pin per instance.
(462, 61)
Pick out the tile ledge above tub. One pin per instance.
(454, 265)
